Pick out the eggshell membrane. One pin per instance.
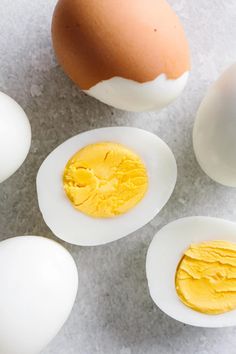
(39, 282)
(214, 130)
(164, 254)
(77, 228)
(136, 40)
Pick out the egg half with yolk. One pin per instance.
(132, 55)
(104, 184)
(191, 271)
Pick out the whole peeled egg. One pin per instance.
(15, 136)
(39, 283)
(214, 133)
(132, 55)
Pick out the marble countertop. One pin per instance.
(114, 313)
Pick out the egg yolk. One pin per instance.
(206, 277)
(105, 179)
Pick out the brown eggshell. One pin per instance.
(96, 40)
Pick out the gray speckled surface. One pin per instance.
(113, 313)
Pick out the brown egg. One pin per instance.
(130, 54)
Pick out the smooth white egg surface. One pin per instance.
(15, 136)
(133, 96)
(77, 228)
(164, 254)
(39, 281)
(214, 130)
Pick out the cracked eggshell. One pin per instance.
(133, 57)
(214, 132)
(75, 227)
(163, 256)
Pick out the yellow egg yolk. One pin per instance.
(105, 179)
(206, 277)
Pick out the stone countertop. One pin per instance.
(114, 313)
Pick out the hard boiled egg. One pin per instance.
(39, 283)
(15, 136)
(104, 184)
(214, 130)
(165, 256)
(133, 56)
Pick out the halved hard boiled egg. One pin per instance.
(191, 271)
(104, 184)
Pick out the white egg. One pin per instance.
(214, 133)
(38, 280)
(77, 228)
(164, 254)
(15, 136)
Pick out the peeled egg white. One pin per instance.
(73, 226)
(214, 133)
(164, 254)
(39, 281)
(132, 96)
(15, 136)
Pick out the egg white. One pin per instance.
(214, 129)
(73, 226)
(164, 254)
(39, 282)
(15, 136)
(133, 96)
